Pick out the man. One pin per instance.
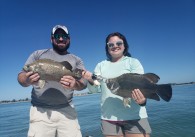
(52, 112)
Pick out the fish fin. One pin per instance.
(78, 73)
(67, 65)
(165, 92)
(127, 102)
(40, 84)
(153, 96)
(152, 77)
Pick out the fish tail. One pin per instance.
(165, 91)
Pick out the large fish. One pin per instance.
(124, 84)
(50, 70)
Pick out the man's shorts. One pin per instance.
(53, 122)
(140, 126)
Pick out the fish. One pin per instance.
(124, 84)
(50, 70)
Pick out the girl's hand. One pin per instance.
(138, 96)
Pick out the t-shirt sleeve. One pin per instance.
(136, 66)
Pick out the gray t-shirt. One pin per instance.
(53, 95)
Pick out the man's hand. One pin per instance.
(88, 76)
(28, 78)
(68, 82)
(31, 78)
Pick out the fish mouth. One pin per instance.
(25, 68)
(78, 73)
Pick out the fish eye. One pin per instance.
(30, 67)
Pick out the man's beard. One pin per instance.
(61, 50)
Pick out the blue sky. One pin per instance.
(161, 34)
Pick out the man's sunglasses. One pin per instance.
(58, 36)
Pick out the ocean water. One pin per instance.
(173, 119)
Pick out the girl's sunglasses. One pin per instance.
(111, 45)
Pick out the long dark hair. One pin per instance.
(125, 53)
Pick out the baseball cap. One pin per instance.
(59, 27)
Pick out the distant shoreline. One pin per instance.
(10, 102)
(77, 94)
(29, 100)
(188, 83)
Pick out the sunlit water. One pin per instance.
(173, 119)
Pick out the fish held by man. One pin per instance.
(126, 83)
(50, 70)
